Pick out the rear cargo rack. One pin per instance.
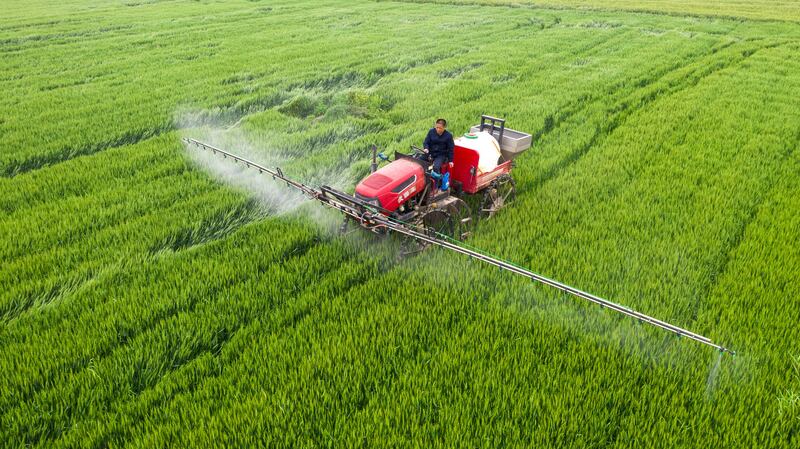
(512, 142)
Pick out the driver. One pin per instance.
(438, 146)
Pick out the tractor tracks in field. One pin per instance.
(16, 44)
(678, 78)
(728, 250)
(284, 317)
(222, 116)
(22, 164)
(597, 9)
(81, 369)
(48, 295)
(554, 121)
(215, 227)
(288, 317)
(283, 313)
(689, 76)
(57, 286)
(135, 266)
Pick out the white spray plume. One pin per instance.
(275, 196)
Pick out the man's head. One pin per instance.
(441, 124)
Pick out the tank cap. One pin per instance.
(471, 135)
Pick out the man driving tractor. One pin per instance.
(438, 146)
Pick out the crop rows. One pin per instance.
(150, 297)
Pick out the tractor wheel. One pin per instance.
(462, 219)
(499, 193)
(439, 222)
(435, 223)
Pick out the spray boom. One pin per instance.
(376, 219)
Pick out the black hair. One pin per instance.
(442, 121)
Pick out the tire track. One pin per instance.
(719, 270)
(650, 93)
(229, 328)
(583, 8)
(125, 333)
(285, 314)
(142, 379)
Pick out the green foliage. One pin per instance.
(145, 302)
(301, 106)
(736, 9)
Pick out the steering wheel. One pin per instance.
(417, 150)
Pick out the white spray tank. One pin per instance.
(487, 147)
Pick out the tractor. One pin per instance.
(409, 191)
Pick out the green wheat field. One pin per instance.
(153, 297)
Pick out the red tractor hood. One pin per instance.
(391, 184)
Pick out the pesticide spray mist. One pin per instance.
(711, 382)
(275, 197)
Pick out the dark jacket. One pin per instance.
(439, 145)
